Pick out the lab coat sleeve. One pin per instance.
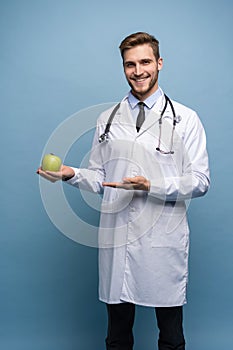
(194, 180)
(91, 178)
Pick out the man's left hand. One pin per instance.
(131, 183)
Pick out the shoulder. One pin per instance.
(181, 108)
(189, 120)
(188, 115)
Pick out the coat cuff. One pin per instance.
(74, 179)
(157, 188)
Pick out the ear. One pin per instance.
(160, 63)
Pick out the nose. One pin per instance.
(138, 70)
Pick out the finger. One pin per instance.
(135, 180)
(55, 174)
(125, 186)
(127, 180)
(116, 185)
(131, 180)
(111, 184)
(46, 176)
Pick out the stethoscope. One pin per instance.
(104, 137)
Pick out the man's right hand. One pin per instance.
(65, 173)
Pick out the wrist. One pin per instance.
(66, 178)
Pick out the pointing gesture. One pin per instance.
(131, 183)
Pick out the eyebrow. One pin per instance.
(141, 60)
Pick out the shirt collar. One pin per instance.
(149, 101)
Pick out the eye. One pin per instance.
(145, 62)
(129, 64)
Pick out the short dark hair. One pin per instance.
(140, 38)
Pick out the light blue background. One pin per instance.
(58, 57)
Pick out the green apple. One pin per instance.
(51, 162)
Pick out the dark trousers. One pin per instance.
(120, 327)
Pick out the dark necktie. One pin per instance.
(141, 116)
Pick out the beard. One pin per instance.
(144, 91)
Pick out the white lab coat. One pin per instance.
(144, 237)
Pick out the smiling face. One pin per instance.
(141, 70)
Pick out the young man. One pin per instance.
(155, 159)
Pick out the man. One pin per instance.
(154, 161)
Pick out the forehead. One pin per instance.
(138, 53)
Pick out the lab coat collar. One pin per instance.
(124, 115)
(149, 101)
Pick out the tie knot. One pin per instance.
(141, 105)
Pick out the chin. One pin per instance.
(140, 92)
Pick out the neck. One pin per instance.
(143, 96)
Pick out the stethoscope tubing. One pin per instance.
(104, 137)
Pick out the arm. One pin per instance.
(194, 181)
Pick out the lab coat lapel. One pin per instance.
(124, 117)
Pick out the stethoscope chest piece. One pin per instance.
(104, 137)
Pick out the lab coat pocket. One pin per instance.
(169, 158)
(164, 158)
(169, 164)
(170, 231)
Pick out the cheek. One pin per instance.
(154, 74)
(128, 74)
